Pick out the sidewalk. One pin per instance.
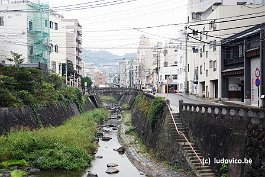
(215, 101)
(141, 160)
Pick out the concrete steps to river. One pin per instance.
(190, 150)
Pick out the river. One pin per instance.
(99, 166)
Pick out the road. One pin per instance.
(174, 100)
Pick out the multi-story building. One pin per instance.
(127, 73)
(57, 43)
(172, 71)
(100, 78)
(209, 22)
(243, 66)
(144, 63)
(24, 29)
(74, 43)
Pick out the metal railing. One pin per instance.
(182, 134)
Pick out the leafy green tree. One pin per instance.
(7, 99)
(70, 68)
(16, 58)
(86, 80)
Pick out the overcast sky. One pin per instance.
(99, 22)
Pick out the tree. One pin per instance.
(70, 68)
(88, 81)
(16, 58)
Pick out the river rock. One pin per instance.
(105, 138)
(115, 128)
(99, 157)
(32, 170)
(121, 150)
(112, 165)
(112, 170)
(91, 175)
(5, 174)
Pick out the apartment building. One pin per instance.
(209, 22)
(57, 43)
(24, 29)
(74, 43)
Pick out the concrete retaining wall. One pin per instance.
(161, 140)
(34, 117)
(228, 132)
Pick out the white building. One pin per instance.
(209, 22)
(172, 66)
(23, 31)
(57, 43)
(145, 63)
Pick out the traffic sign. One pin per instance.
(257, 72)
(257, 82)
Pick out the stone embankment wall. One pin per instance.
(37, 116)
(161, 140)
(228, 132)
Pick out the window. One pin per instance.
(214, 45)
(188, 67)
(206, 54)
(214, 65)
(2, 21)
(201, 69)
(167, 76)
(51, 24)
(212, 25)
(54, 66)
(240, 52)
(203, 48)
(165, 64)
(175, 76)
(30, 50)
(206, 73)
(195, 50)
(51, 48)
(196, 16)
(56, 26)
(203, 66)
(210, 64)
(46, 23)
(200, 52)
(30, 26)
(56, 48)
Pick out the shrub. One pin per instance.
(8, 99)
(108, 99)
(18, 173)
(125, 106)
(224, 169)
(155, 111)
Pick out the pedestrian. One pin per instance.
(154, 90)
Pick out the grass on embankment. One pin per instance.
(68, 146)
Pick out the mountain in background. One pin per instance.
(102, 57)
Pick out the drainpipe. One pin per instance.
(262, 66)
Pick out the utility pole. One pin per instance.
(158, 62)
(66, 80)
(186, 61)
